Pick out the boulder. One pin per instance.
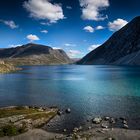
(97, 120)
(68, 110)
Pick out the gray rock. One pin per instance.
(104, 126)
(89, 127)
(125, 126)
(112, 120)
(97, 120)
(59, 113)
(107, 118)
(124, 122)
(68, 110)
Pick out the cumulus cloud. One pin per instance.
(89, 29)
(74, 53)
(70, 45)
(44, 10)
(91, 9)
(14, 45)
(44, 31)
(32, 37)
(100, 28)
(9, 23)
(93, 47)
(116, 24)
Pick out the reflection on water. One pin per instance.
(88, 90)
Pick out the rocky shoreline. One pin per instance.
(7, 67)
(26, 123)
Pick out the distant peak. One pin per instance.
(30, 44)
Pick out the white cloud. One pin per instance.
(44, 31)
(69, 7)
(70, 45)
(74, 53)
(116, 24)
(100, 28)
(32, 37)
(91, 9)
(9, 23)
(45, 23)
(93, 47)
(14, 45)
(44, 10)
(89, 29)
(57, 48)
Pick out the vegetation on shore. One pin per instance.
(7, 67)
(16, 120)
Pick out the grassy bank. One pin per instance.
(7, 67)
(16, 120)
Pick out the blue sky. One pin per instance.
(77, 26)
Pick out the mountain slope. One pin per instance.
(122, 48)
(34, 54)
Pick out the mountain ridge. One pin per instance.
(34, 54)
(122, 48)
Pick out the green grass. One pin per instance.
(11, 130)
(15, 111)
(40, 115)
(6, 68)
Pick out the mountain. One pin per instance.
(34, 54)
(122, 48)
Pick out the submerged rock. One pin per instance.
(68, 110)
(59, 113)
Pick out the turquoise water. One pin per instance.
(88, 90)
